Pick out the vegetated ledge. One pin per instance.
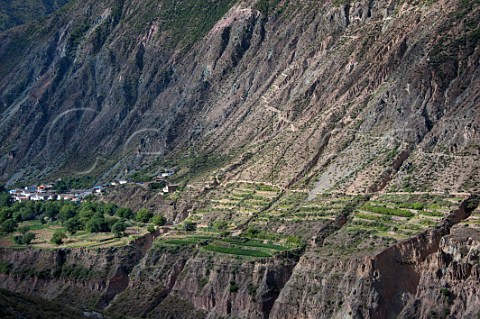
(218, 285)
(221, 284)
(369, 285)
(84, 277)
(395, 270)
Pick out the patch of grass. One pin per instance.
(432, 213)
(387, 210)
(253, 243)
(190, 20)
(5, 267)
(203, 282)
(237, 251)
(78, 272)
(183, 241)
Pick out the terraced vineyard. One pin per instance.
(401, 216)
(333, 223)
(236, 203)
(294, 207)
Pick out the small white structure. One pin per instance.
(98, 189)
(169, 188)
(167, 174)
(38, 197)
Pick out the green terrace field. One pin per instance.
(236, 203)
(44, 232)
(245, 247)
(294, 214)
(295, 207)
(384, 220)
(401, 216)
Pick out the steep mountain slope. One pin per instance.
(349, 129)
(355, 97)
(16, 12)
(18, 306)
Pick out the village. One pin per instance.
(48, 191)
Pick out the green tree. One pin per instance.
(109, 209)
(61, 186)
(27, 213)
(24, 229)
(189, 226)
(5, 199)
(17, 216)
(151, 228)
(18, 239)
(97, 224)
(85, 213)
(5, 213)
(28, 238)
(9, 226)
(58, 237)
(51, 210)
(126, 213)
(143, 215)
(67, 211)
(158, 220)
(73, 225)
(119, 228)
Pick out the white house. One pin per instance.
(98, 189)
(167, 174)
(38, 197)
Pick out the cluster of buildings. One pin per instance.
(46, 192)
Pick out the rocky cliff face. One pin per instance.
(214, 286)
(432, 274)
(78, 277)
(449, 278)
(356, 97)
(81, 277)
(164, 282)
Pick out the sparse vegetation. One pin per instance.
(233, 287)
(190, 226)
